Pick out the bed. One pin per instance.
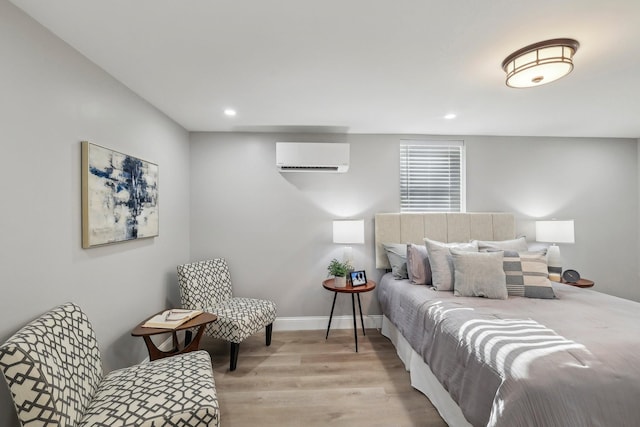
(573, 360)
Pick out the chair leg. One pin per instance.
(233, 362)
(269, 331)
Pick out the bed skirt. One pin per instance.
(422, 379)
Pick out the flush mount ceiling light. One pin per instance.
(540, 63)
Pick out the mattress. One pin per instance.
(573, 360)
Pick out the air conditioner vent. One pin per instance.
(310, 168)
(312, 157)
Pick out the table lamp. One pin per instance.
(555, 232)
(348, 232)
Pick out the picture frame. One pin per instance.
(119, 197)
(358, 278)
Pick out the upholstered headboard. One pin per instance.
(444, 227)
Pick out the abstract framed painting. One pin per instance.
(119, 197)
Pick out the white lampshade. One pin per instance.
(348, 231)
(555, 231)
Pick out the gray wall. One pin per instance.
(275, 229)
(52, 98)
(593, 181)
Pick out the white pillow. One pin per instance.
(518, 245)
(479, 274)
(441, 261)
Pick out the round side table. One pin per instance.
(354, 291)
(581, 283)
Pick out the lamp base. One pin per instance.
(554, 262)
(347, 256)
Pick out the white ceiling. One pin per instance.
(362, 66)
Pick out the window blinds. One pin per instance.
(432, 176)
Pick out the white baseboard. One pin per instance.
(306, 323)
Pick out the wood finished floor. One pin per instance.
(303, 380)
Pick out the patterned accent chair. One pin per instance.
(206, 285)
(54, 371)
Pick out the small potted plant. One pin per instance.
(339, 271)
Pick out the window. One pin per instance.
(432, 176)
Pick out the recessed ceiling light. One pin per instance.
(229, 112)
(450, 116)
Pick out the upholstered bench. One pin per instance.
(54, 372)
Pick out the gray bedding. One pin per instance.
(570, 361)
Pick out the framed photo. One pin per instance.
(358, 278)
(119, 197)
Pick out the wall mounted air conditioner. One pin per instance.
(312, 157)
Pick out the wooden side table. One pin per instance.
(200, 321)
(581, 283)
(357, 290)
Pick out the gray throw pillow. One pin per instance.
(397, 255)
(418, 266)
(441, 262)
(527, 274)
(479, 274)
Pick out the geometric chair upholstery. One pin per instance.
(206, 285)
(53, 368)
